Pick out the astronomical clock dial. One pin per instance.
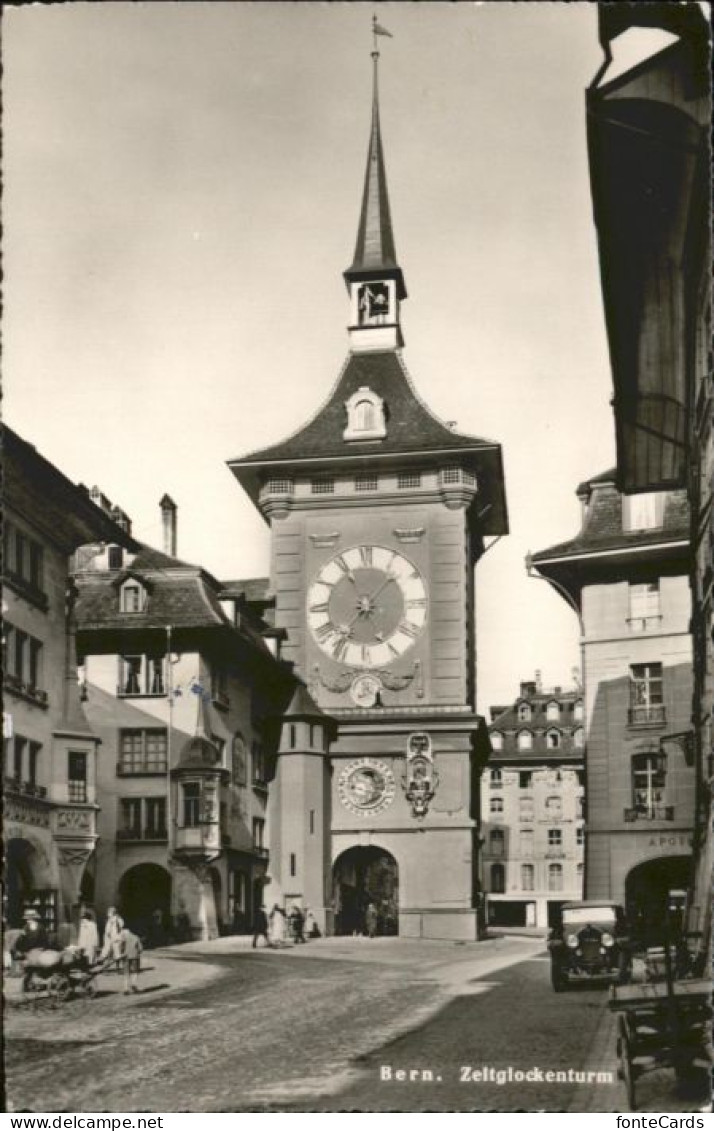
(366, 786)
(367, 606)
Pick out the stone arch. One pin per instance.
(144, 890)
(365, 874)
(647, 887)
(27, 870)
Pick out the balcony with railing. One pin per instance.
(653, 813)
(647, 715)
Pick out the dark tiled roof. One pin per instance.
(252, 589)
(148, 559)
(602, 528)
(411, 427)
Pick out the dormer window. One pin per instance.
(553, 739)
(524, 712)
(525, 740)
(365, 416)
(496, 740)
(552, 711)
(644, 511)
(132, 596)
(578, 709)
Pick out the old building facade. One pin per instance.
(185, 695)
(532, 812)
(626, 571)
(50, 756)
(378, 514)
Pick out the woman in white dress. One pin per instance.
(277, 926)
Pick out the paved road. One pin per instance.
(219, 1027)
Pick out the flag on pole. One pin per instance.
(379, 30)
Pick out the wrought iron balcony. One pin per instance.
(26, 788)
(654, 813)
(650, 715)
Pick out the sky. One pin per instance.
(182, 184)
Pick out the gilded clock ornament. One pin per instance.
(367, 606)
(366, 786)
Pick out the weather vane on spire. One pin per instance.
(377, 29)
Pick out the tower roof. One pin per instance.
(375, 253)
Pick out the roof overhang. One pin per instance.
(485, 460)
(649, 173)
(574, 569)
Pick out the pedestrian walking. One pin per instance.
(88, 936)
(260, 929)
(130, 948)
(370, 920)
(277, 926)
(297, 924)
(112, 930)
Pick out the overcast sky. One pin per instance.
(182, 188)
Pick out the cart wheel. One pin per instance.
(626, 1070)
(59, 988)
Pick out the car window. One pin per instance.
(588, 914)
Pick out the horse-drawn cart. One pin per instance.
(57, 975)
(662, 1024)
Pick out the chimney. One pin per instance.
(168, 522)
(538, 682)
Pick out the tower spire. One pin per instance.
(375, 256)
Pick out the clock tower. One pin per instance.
(378, 513)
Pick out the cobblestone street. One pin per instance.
(221, 1027)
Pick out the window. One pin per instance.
(132, 597)
(219, 683)
(579, 737)
(496, 779)
(555, 838)
(240, 769)
(525, 740)
(312, 822)
(155, 826)
(293, 864)
(143, 751)
(496, 842)
(115, 557)
(77, 775)
(22, 661)
(258, 832)
(525, 779)
(130, 818)
(23, 559)
(526, 842)
(19, 757)
(555, 877)
(498, 879)
(142, 675)
(646, 699)
(373, 304)
(552, 711)
(649, 778)
(258, 763)
(497, 740)
(527, 877)
(554, 806)
(292, 736)
(580, 835)
(35, 749)
(220, 745)
(578, 709)
(451, 475)
(408, 479)
(643, 512)
(496, 805)
(191, 791)
(525, 809)
(365, 416)
(280, 486)
(644, 606)
(322, 486)
(552, 739)
(524, 712)
(366, 483)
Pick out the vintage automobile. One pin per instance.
(590, 940)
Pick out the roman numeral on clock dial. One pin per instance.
(365, 557)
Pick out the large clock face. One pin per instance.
(367, 606)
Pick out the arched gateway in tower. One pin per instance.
(378, 512)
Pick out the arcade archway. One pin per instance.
(646, 894)
(145, 898)
(26, 878)
(364, 875)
